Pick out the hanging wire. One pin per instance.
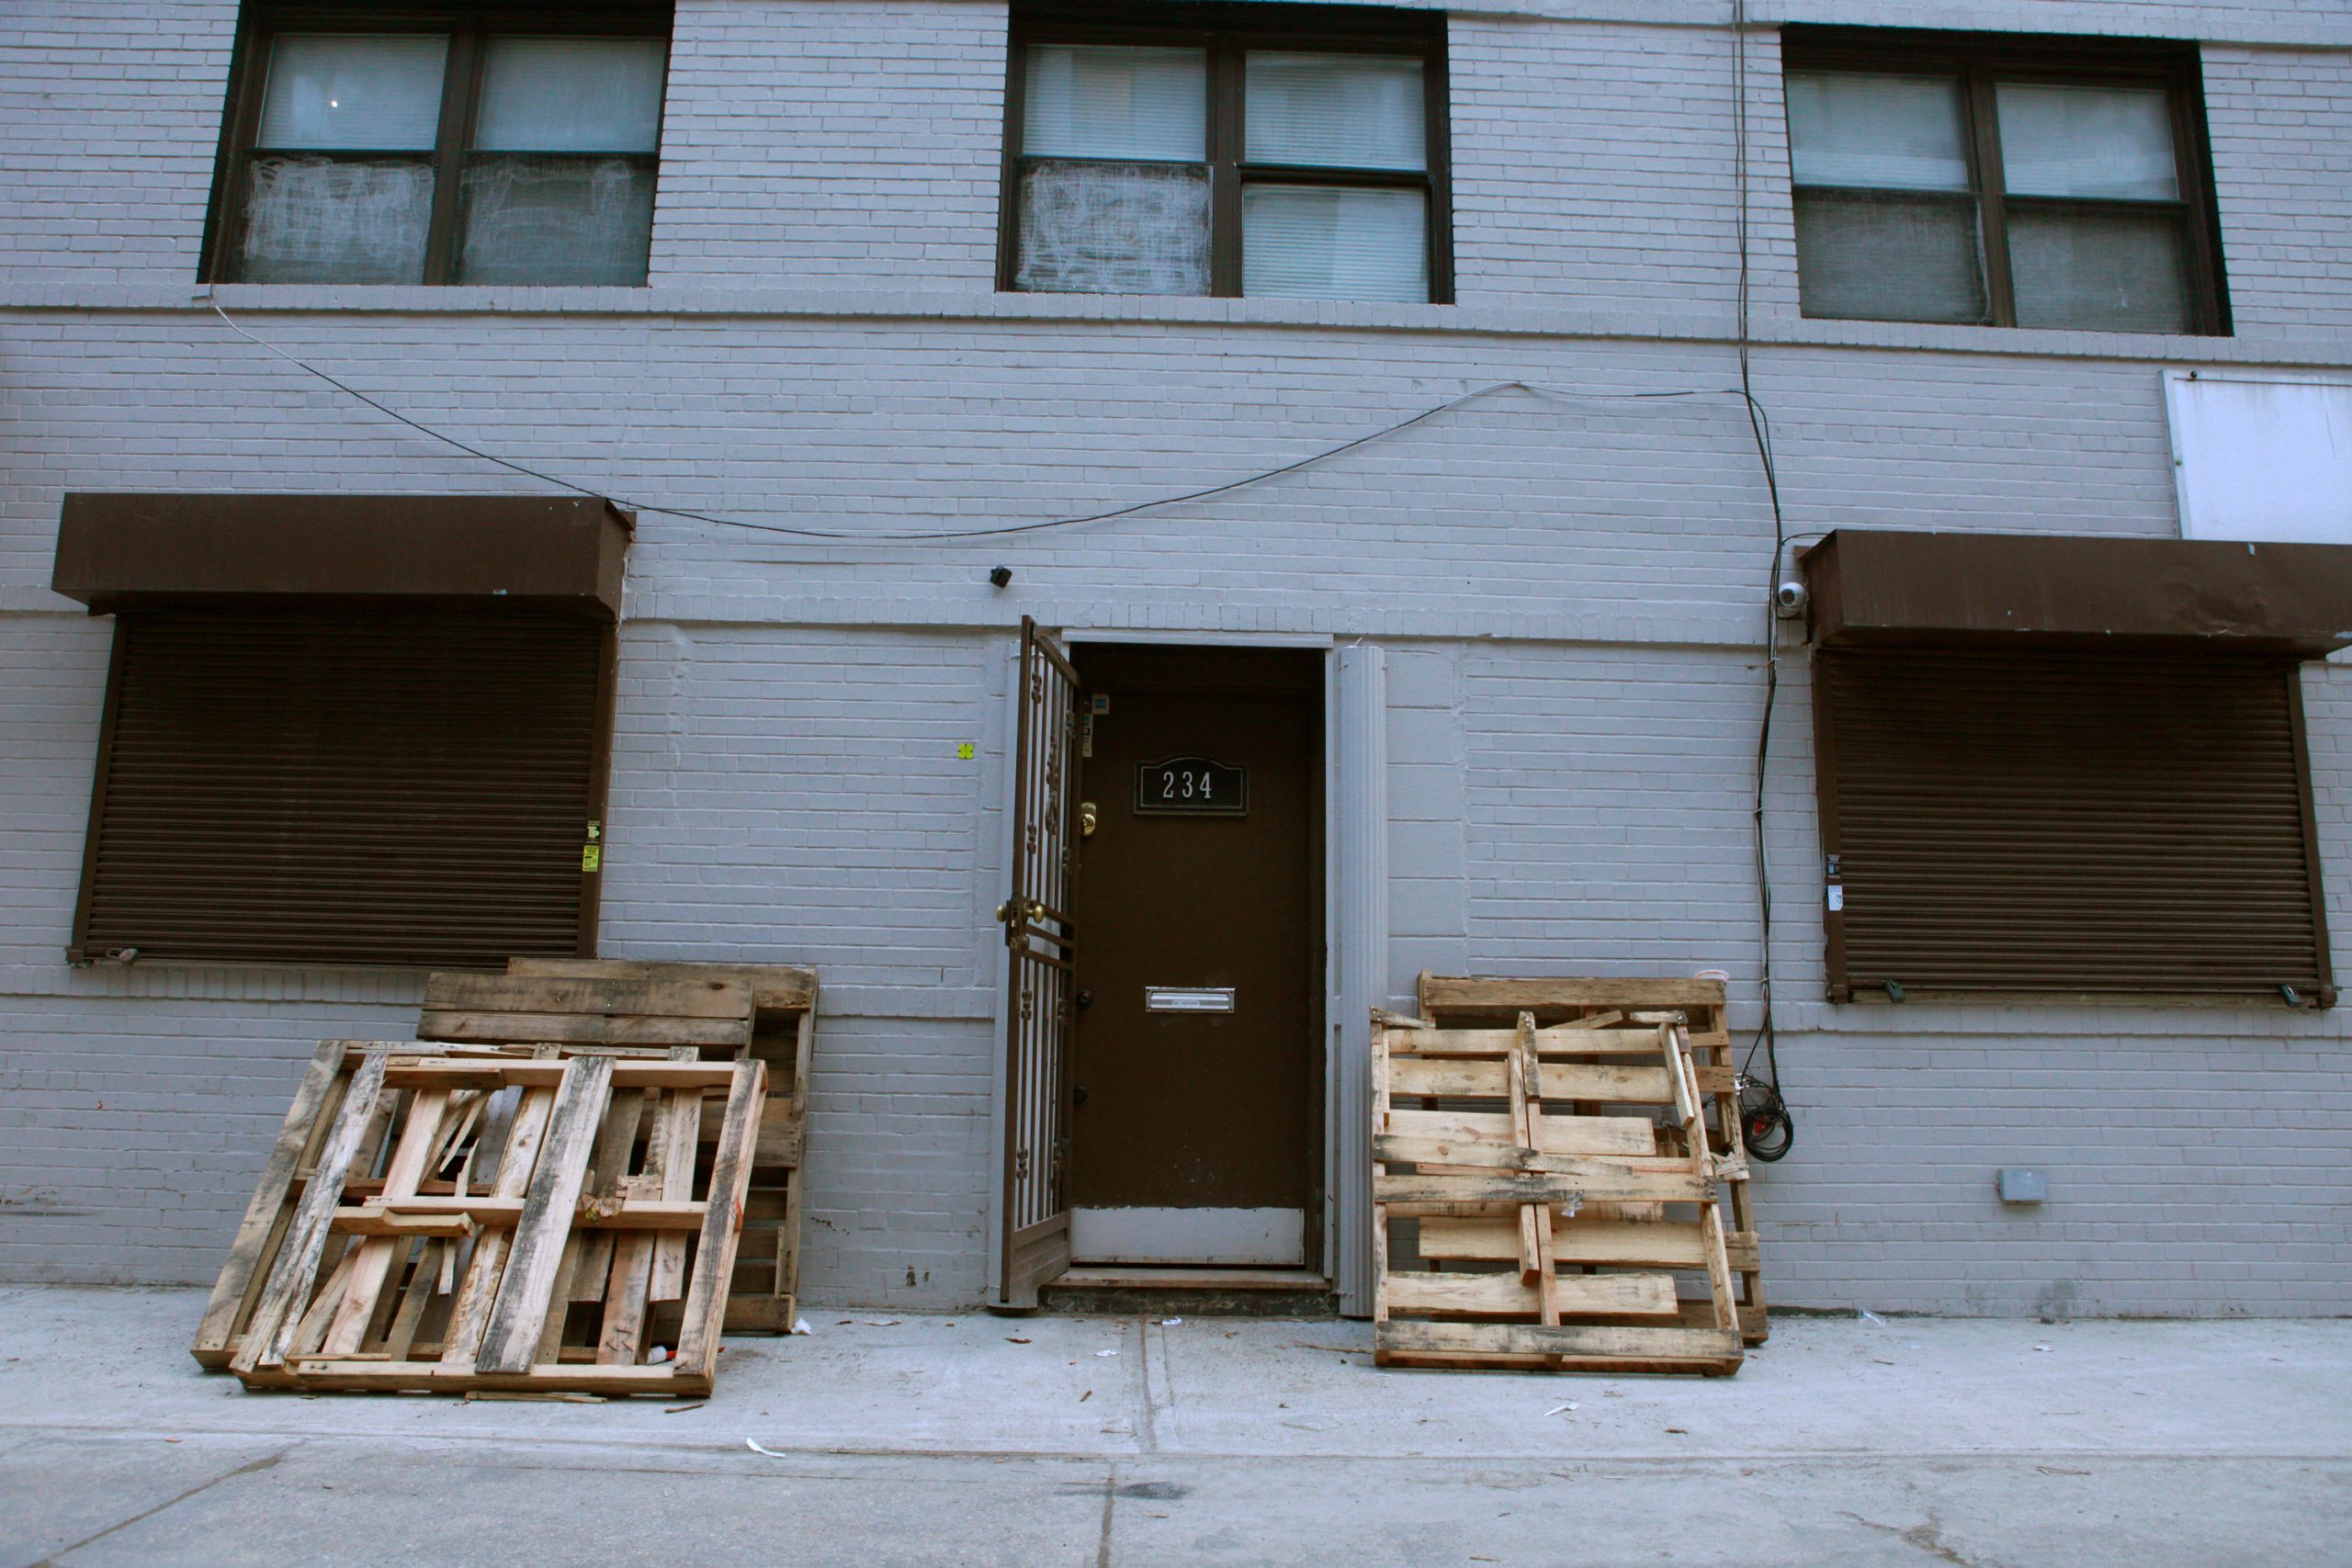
(1771, 1129)
(1537, 389)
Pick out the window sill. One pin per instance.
(1702, 321)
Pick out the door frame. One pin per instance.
(1355, 931)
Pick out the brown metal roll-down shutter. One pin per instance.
(314, 786)
(2061, 820)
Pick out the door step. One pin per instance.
(1098, 1288)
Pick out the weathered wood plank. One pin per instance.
(1554, 1135)
(1535, 1339)
(1590, 1181)
(487, 1212)
(1654, 1244)
(522, 1304)
(669, 997)
(1624, 1295)
(493, 1072)
(670, 1154)
(585, 1028)
(277, 1315)
(1476, 1079)
(778, 986)
(1441, 994)
(229, 1290)
(730, 1171)
(351, 1376)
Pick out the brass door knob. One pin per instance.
(1087, 818)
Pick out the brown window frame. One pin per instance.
(467, 28)
(1982, 59)
(1228, 33)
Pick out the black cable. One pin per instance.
(1771, 1129)
(1536, 388)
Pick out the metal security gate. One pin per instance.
(1038, 1006)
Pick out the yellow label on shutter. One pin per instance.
(967, 751)
(591, 857)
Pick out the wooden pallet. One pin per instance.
(783, 1018)
(1456, 1001)
(442, 1221)
(1537, 1192)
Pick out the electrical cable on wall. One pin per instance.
(1770, 1129)
(1537, 389)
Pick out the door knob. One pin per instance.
(1087, 818)
(1085, 1000)
(1078, 1095)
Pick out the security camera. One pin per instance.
(1789, 600)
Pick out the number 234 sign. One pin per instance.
(1191, 786)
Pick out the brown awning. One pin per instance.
(1892, 587)
(116, 552)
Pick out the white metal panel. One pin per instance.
(1274, 1239)
(2262, 457)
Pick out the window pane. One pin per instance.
(361, 91)
(1115, 228)
(1328, 243)
(337, 220)
(1095, 101)
(2098, 141)
(1889, 258)
(556, 219)
(572, 94)
(1880, 132)
(1356, 111)
(2104, 271)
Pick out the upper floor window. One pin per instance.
(1280, 155)
(478, 146)
(2002, 182)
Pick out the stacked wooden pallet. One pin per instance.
(765, 1013)
(1470, 1002)
(428, 1219)
(1539, 1192)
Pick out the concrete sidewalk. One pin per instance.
(976, 1440)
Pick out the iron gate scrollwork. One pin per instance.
(1040, 954)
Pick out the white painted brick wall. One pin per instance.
(1567, 589)
(834, 140)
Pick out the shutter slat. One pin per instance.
(2053, 821)
(406, 787)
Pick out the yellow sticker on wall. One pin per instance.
(967, 751)
(592, 858)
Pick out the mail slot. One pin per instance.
(1188, 998)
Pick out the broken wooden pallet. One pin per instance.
(1459, 1002)
(764, 1298)
(1537, 1192)
(429, 1221)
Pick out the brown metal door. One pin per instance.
(1038, 933)
(1196, 1068)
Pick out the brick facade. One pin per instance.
(1567, 583)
